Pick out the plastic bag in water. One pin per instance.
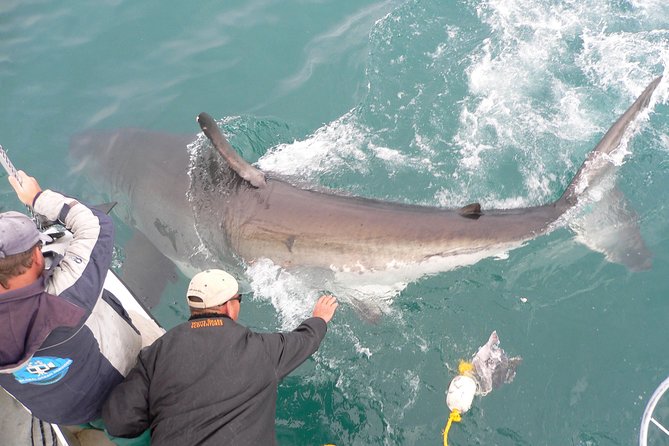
(492, 366)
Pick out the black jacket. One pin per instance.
(209, 381)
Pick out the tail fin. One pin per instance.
(610, 226)
(595, 166)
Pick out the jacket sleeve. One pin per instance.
(81, 273)
(289, 350)
(126, 411)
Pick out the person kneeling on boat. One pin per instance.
(212, 381)
(64, 343)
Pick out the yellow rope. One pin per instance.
(464, 368)
(454, 417)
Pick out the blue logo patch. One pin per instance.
(43, 370)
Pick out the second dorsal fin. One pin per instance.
(472, 210)
(236, 162)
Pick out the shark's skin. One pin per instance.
(238, 212)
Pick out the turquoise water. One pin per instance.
(432, 102)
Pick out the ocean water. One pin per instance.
(436, 102)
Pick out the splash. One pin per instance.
(334, 146)
(293, 293)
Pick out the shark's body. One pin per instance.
(227, 209)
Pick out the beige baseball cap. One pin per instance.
(211, 288)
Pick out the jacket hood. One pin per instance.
(27, 316)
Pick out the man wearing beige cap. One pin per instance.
(211, 381)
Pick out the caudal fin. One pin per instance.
(609, 224)
(596, 165)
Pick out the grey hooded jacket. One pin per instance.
(64, 343)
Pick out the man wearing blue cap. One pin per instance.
(64, 343)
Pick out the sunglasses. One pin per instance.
(238, 297)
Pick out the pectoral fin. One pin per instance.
(105, 207)
(146, 270)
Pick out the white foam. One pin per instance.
(613, 60)
(412, 378)
(392, 156)
(651, 7)
(328, 148)
(287, 293)
(359, 349)
(572, 121)
(664, 139)
(525, 59)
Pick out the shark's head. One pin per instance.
(91, 151)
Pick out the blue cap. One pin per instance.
(18, 234)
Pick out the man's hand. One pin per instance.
(27, 190)
(325, 307)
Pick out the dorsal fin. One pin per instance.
(472, 210)
(236, 162)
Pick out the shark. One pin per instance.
(195, 209)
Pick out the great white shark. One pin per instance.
(213, 208)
